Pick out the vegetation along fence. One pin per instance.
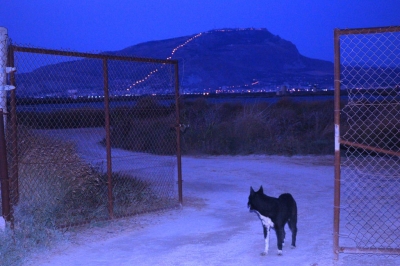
(367, 142)
(91, 136)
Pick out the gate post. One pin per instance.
(336, 201)
(4, 181)
(108, 140)
(3, 73)
(178, 134)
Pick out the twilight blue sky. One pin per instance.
(108, 25)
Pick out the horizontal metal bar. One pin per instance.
(90, 55)
(370, 148)
(368, 30)
(387, 251)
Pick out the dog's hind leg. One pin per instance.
(293, 227)
(279, 235)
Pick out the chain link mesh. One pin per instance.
(63, 136)
(370, 179)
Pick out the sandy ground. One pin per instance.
(214, 226)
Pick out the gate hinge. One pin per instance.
(10, 69)
(6, 87)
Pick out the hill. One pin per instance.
(226, 59)
(235, 57)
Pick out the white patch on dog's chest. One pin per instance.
(265, 221)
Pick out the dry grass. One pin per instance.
(57, 189)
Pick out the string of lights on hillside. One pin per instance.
(168, 58)
(183, 45)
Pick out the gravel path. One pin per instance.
(214, 226)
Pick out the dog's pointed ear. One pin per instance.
(261, 190)
(252, 191)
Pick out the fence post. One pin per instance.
(3, 81)
(178, 134)
(4, 182)
(108, 140)
(14, 184)
(336, 207)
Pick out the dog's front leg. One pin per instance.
(266, 239)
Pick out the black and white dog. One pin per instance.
(274, 212)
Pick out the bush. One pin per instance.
(146, 127)
(286, 127)
(70, 118)
(57, 190)
(54, 180)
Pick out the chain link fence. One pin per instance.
(91, 136)
(367, 179)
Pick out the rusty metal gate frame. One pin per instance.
(105, 58)
(337, 249)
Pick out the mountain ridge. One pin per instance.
(212, 61)
(235, 57)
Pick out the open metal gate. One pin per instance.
(367, 141)
(92, 136)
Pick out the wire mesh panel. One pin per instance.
(143, 136)
(97, 136)
(370, 140)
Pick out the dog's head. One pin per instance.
(254, 195)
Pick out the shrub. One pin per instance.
(286, 127)
(57, 189)
(146, 127)
(66, 118)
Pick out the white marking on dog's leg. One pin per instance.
(267, 241)
(267, 223)
(2, 224)
(279, 252)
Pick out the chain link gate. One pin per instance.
(92, 136)
(367, 141)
